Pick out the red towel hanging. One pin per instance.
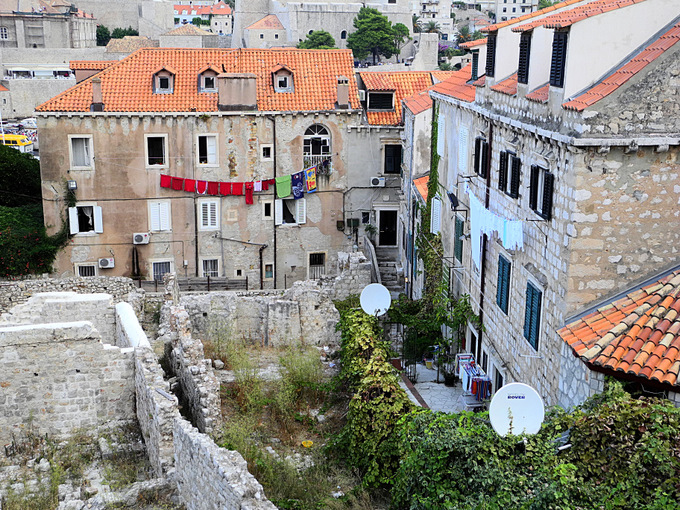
(213, 188)
(201, 187)
(225, 188)
(249, 193)
(177, 183)
(237, 188)
(190, 185)
(165, 181)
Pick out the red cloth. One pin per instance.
(201, 187)
(190, 185)
(237, 188)
(165, 181)
(213, 188)
(225, 188)
(249, 193)
(177, 183)
(267, 183)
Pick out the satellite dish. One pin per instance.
(375, 299)
(516, 409)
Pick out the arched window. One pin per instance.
(317, 147)
(343, 34)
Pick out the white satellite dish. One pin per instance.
(375, 299)
(516, 409)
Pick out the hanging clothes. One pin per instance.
(225, 188)
(267, 183)
(190, 185)
(177, 183)
(213, 188)
(201, 187)
(257, 186)
(310, 174)
(283, 186)
(476, 217)
(249, 193)
(237, 188)
(298, 185)
(165, 181)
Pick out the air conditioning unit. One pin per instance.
(377, 182)
(362, 95)
(106, 263)
(140, 238)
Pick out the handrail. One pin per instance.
(375, 271)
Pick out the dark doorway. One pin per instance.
(387, 228)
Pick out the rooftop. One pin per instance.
(219, 8)
(421, 185)
(188, 29)
(127, 84)
(473, 44)
(531, 15)
(130, 43)
(638, 335)
(269, 22)
(91, 65)
(457, 85)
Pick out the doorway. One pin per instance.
(387, 228)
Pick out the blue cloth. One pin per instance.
(298, 181)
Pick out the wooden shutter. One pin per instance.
(154, 216)
(524, 54)
(484, 171)
(475, 65)
(557, 64)
(441, 134)
(478, 154)
(278, 211)
(515, 176)
(98, 220)
(73, 220)
(503, 171)
(212, 210)
(300, 210)
(548, 187)
(503, 288)
(204, 214)
(211, 142)
(164, 215)
(458, 242)
(491, 54)
(435, 215)
(462, 148)
(533, 187)
(532, 316)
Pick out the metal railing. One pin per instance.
(206, 284)
(319, 161)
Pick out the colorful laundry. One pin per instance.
(257, 186)
(283, 186)
(237, 188)
(267, 183)
(298, 185)
(249, 193)
(165, 181)
(190, 185)
(311, 179)
(201, 187)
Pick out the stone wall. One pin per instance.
(219, 476)
(577, 382)
(129, 332)
(16, 292)
(61, 377)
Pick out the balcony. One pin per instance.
(322, 162)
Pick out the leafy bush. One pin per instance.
(19, 178)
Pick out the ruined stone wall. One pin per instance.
(16, 292)
(129, 332)
(220, 476)
(61, 377)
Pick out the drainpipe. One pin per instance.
(262, 268)
(485, 238)
(276, 274)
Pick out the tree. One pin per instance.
(103, 35)
(477, 34)
(374, 34)
(401, 35)
(197, 21)
(463, 34)
(542, 4)
(415, 19)
(432, 27)
(318, 40)
(119, 33)
(19, 178)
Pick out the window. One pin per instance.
(268, 271)
(159, 216)
(86, 270)
(81, 152)
(208, 81)
(207, 149)
(317, 265)
(475, 65)
(393, 157)
(380, 101)
(84, 219)
(343, 34)
(485, 360)
(542, 184)
(316, 145)
(238, 273)
(290, 211)
(160, 269)
(267, 209)
(524, 54)
(559, 59)
(458, 240)
(498, 380)
(261, 36)
(532, 314)
(491, 54)
(503, 288)
(211, 268)
(365, 217)
(509, 184)
(163, 82)
(276, 36)
(481, 157)
(4, 34)
(156, 150)
(266, 153)
(282, 82)
(208, 215)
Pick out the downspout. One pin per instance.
(193, 172)
(262, 268)
(276, 274)
(485, 238)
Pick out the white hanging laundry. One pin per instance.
(476, 219)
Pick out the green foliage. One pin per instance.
(432, 27)
(198, 21)
(542, 4)
(374, 35)
(103, 35)
(401, 35)
(445, 66)
(318, 40)
(415, 20)
(361, 338)
(119, 33)
(19, 178)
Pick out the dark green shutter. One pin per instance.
(503, 289)
(548, 188)
(478, 154)
(458, 242)
(524, 53)
(503, 172)
(533, 187)
(491, 54)
(532, 315)
(475, 65)
(559, 59)
(484, 171)
(515, 176)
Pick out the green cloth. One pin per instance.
(283, 186)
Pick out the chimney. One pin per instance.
(236, 92)
(343, 93)
(97, 98)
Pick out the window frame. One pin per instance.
(524, 57)
(490, 67)
(558, 59)
(314, 132)
(300, 211)
(90, 148)
(504, 283)
(459, 230)
(78, 265)
(264, 209)
(160, 223)
(203, 260)
(541, 191)
(206, 75)
(509, 173)
(201, 217)
(163, 74)
(165, 163)
(532, 324)
(482, 159)
(152, 262)
(374, 93)
(266, 265)
(97, 220)
(385, 156)
(310, 276)
(264, 146)
(209, 163)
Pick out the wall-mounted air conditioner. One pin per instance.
(140, 238)
(377, 182)
(106, 263)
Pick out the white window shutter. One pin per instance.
(278, 211)
(204, 214)
(435, 216)
(164, 215)
(301, 210)
(441, 134)
(212, 149)
(213, 214)
(462, 148)
(73, 220)
(154, 216)
(98, 222)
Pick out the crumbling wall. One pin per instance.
(61, 377)
(219, 476)
(354, 273)
(129, 332)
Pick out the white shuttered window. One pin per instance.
(208, 215)
(159, 216)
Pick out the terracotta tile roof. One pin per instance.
(402, 83)
(91, 65)
(187, 29)
(480, 82)
(218, 8)
(472, 44)
(126, 86)
(269, 22)
(421, 185)
(130, 43)
(625, 72)
(638, 335)
(507, 86)
(3, 88)
(439, 76)
(457, 85)
(540, 95)
(419, 102)
(569, 17)
(530, 15)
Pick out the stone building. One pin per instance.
(564, 169)
(218, 14)
(191, 36)
(211, 124)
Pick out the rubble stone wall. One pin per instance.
(577, 382)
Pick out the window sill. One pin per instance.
(207, 165)
(157, 167)
(86, 234)
(81, 168)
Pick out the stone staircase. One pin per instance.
(390, 270)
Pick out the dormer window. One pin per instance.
(559, 59)
(207, 79)
(163, 81)
(380, 101)
(283, 78)
(282, 82)
(524, 54)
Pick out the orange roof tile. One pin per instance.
(402, 83)
(625, 72)
(569, 17)
(644, 343)
(530, 15)
(126, 85)
(540, 95)
(473, 44)
(418, 103)
(507, 86)
(91, 65)
(457, 85)
(3, 88)
(269, 22)
(421, 185)
(218, 8)
(188, 29)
